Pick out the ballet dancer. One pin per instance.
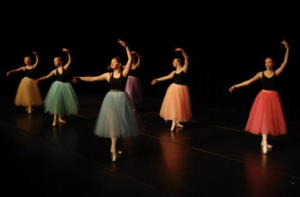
(266, 115)
(177, 104)
(117, 117)
(28, 93)
(61, 99)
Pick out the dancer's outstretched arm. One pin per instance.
(186, 59)
(170, 76)
(102, 77)
(36, 60)
(128, 65)
(280, 69)
(16, 70)
(46, 77)
(70, 59)
(248, 82)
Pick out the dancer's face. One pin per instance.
(269, 63)
(176, 62)
(27, 60)
(115, 64)
(133, 59)
(57, 62)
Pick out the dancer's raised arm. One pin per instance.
(138, 58)
(170, 76)
(248, 82)
(128, 65)
(280, 69)
(69, 56)
(186, 59)
(36, 60)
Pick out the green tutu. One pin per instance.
(61, 99)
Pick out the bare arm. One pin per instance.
(70, 59)
(186, 59)
(128, 65)
(280, 69)
(102, 77)
(139, 58)
(170, 76)
(245, 83)
(36, 60)
(16, 70)
(46, 77)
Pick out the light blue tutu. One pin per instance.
(61, 99)
(118, 117)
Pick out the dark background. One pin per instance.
(227, 42)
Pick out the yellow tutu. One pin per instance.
(28, 93)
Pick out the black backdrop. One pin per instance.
(227, 42)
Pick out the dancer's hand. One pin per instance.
(232, 88)
(154, 82)
(108, 68)
(65, 50)
(34, 53)
(133, 52)
(37, 81)
(7, 74)
(178, 49)
(285, 44)
(122, 43)
(75, 79)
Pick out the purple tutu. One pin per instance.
(134, 90)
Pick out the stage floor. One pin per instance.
(210, 156)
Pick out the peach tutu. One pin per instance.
(177, 104)
(266, 115)
(28, 93)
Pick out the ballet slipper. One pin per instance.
(114, 156)
(119, 152)
(265, 148)
(268, 145)
(179, 125)
(173, 125)
(54, 122)
(61, 120)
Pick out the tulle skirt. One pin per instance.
(134, 90)
(118, 117)
(177, 104)
(28, 93)
(266, 116)
(61, 99)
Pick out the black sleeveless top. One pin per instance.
(269, 83)
(117, 83)
(133, 72)
(61, 77)
(29, 73)
(180, 78)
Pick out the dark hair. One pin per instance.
(271, 58)
(118, 59)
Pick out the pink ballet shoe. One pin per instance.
(179, 125)
(119, 152)
(173, 126)
(114, 156)
(54, 122)
(265, 148)
(268, 145)
(61, 120)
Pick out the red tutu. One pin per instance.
(266, 116)
(177, 104)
